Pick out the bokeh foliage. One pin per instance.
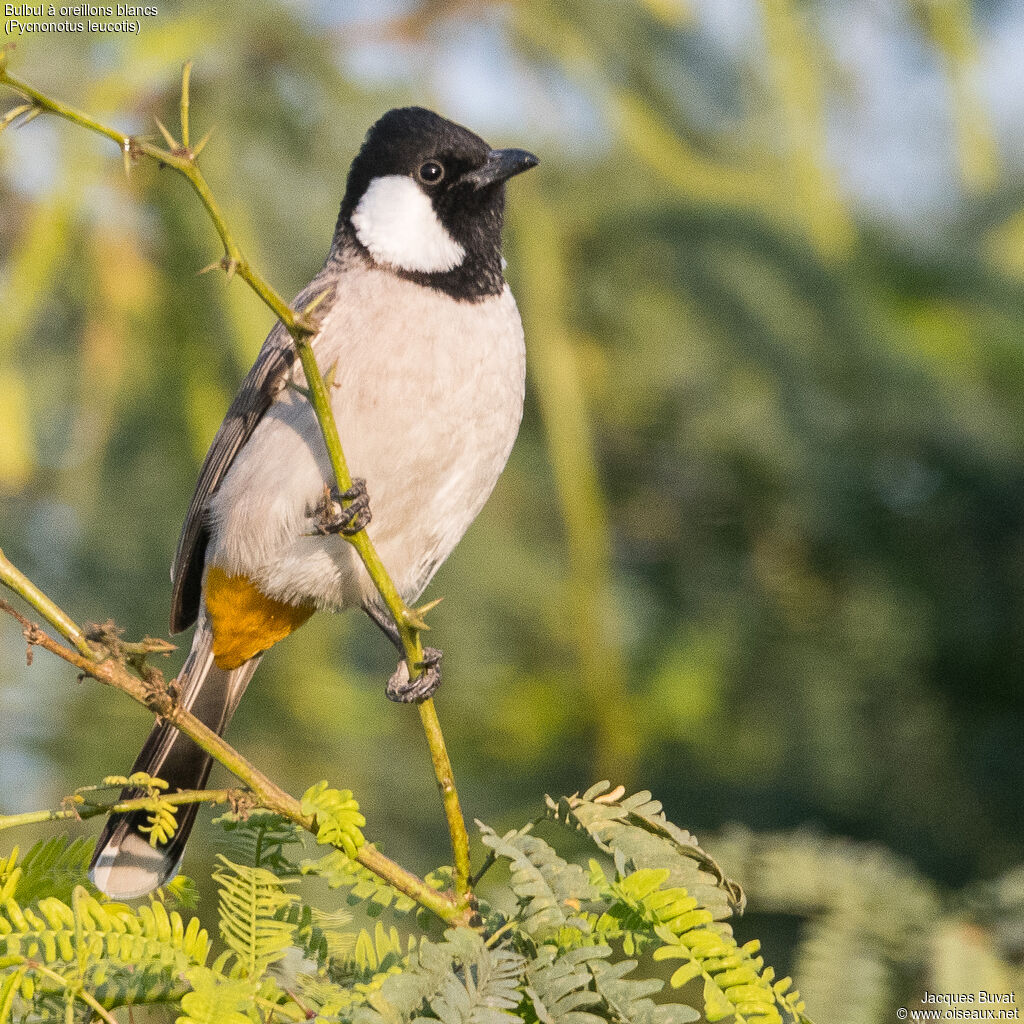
(759, 547)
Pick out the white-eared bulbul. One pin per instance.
(423, 346)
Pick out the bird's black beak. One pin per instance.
(501, 164)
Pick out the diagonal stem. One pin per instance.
(449, 795)
(183, 160)
(14, 579)
(400, 612)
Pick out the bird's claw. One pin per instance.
(404, 690)
(331, 516)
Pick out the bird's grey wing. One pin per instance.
(254, 397)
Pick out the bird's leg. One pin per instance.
(386, 626)
(331, 516)
(400, 687)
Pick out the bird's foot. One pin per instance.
(404, 690)
(330, 516)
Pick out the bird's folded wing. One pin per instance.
(254, 397)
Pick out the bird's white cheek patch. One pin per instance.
(396, 221)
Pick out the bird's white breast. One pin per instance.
(428, 395)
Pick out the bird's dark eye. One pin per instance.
(431, 172)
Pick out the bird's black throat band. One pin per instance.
(479, 276)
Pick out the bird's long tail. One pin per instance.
(125, 864)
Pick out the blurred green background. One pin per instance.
(759, 547)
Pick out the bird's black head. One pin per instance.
(425, 198)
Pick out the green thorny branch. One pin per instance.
(123, 667)
(182, 157)
(80, 806)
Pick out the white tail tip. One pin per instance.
(131, 868)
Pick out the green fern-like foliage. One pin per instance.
(262, 839)
(736, 982)
(635, 831)
(642, 909)
(599, 911)
(215, 1000)
(161, 816)
(252, 924)
(364, 887)
(358, 965)
(52, 867)
(121, 956)
(634, 931)
(338, 820)
(378, 950)
(871, 925)
(306, 933)
(460, 980)
(627, 999)
(550, 889)
(559, 985)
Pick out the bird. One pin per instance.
(422, 344)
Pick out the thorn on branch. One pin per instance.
(186, 74)
(200, 145)
(182, 149)
(12, 115)
(416, 617)
(150, 645)
(302, 321)
(317, 300)
(172, 143)
(27, 112)
(226, 263)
